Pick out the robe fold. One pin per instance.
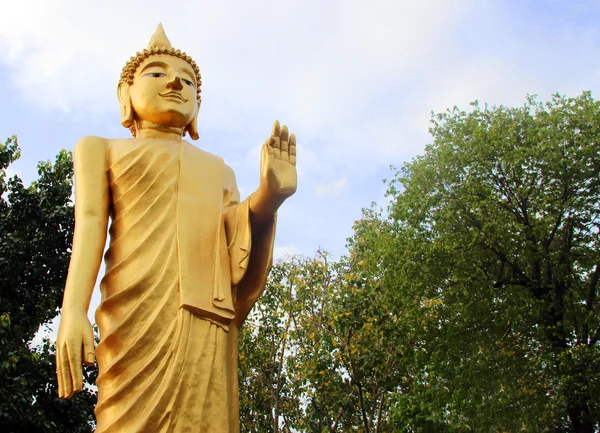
(183, 270)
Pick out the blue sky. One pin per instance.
(355, 80)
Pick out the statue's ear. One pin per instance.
(192, 127)
(125, 103)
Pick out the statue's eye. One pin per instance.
(188, 82)
(155, 74)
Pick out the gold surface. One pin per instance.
(186, 260)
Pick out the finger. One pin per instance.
(276, 132)
(267, 150)
(88, 347)
(284, 133)
(292, 149)
(284, 143)
(276, 147)
(65, 373)
(76, 370)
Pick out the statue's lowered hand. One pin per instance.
(74, 345)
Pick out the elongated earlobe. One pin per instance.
(125, 105)
(192, 127)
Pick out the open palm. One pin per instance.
(278, 162)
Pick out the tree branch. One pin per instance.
(589, 304)
(592, 290)
(379, 411)
(373, 404)
(357, 383)
(337, 420)
(277, 391)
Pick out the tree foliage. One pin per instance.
(314, 355)
(491, 251)
(470, 304)
(36, 228)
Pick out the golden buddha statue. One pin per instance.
(186, 260)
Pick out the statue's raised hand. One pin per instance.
(278, 176)
(278, 162)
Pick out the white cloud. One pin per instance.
(333, 188)
(283, 251)
(313, 65)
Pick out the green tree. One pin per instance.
(314, 354)
(36, 228)
(490, 255)
(267, 404)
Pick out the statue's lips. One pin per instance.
(176, 95)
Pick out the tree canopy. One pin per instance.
(491, 250)
(36, 228)
(317, 354)
(469, 304)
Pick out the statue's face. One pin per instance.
(164, 91)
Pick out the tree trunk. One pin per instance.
(579, 415)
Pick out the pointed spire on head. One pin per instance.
(159, 38)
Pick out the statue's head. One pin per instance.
(160, 85)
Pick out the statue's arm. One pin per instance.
(75, 341)
(251, 251)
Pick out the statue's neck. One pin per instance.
(150, 130)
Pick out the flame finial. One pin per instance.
(159, 38)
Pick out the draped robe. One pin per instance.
(183, 269)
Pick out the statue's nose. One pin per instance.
(175, 84)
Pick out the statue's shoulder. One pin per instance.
(102, 149)
(90, 147)
(91, 141)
